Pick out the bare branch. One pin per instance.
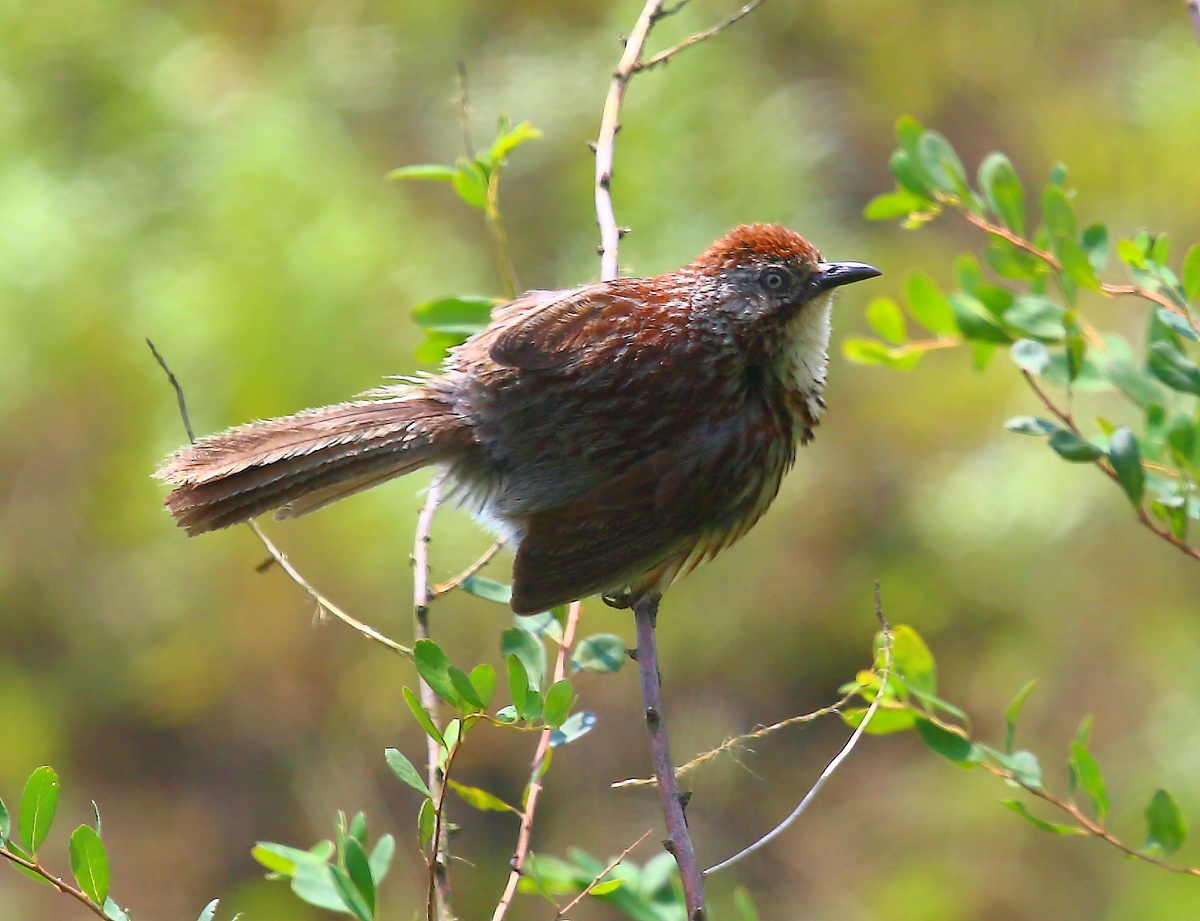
(439, 902)
(610, 233)
(838, 759)
(446, 587)
(663, 56)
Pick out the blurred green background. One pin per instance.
(210, 175)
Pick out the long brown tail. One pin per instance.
(299, 463)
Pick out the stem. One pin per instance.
(678, 841)
(533, 789)
(663, 56)
(64, 887)
(439, 863)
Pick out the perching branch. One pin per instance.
(678, 841)
(533, 788)
(838, 759)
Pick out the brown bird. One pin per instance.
(615, 435)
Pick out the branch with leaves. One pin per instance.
(1035, 304)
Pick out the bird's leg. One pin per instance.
(678, 841)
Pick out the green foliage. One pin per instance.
(336, 875)
(1035, 305)
(648, 892)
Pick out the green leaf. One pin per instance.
(1058, 212)
(313, 883)
(89, 863)
(1167, 828)
(1012, 712)
(1181, 436)
(466, 690)
(518, 683)
(576, 726)
(358, 868)
(1030, 425)
(600, 652)
(434, 348)
(436, 172)
(1053, 828)
(1095, 243)
(210, 911)
(487, 589)
(460, 316)
(1003, 192)
(928, 305)
(426, 823)
(434, 667)
(508, 141)
(891, 205)
(404, 769)
(885, 318)
(1036, 317)
(558, 702)
(909, 175)
(604, 888)
(745, 907)
(950, 745)
(1075, 263)
(1172, 368)
(941, 164)
(1191, 273)
(1160, 252)
(113, 911)
(1071, 447)
(1131, 254)
(529, 649)
(1008, 261)
(381, 858)
(483, 679)
(885, 721)
(1087, 774)
(5, 823)
(422, 717)
(912, 661)
(1126, 462)
(975, 321)
(873, 352)
(281, 859)
(1030, 355)
(480, 799)
(1133, 382)
(1023, 765)
(471, 183)
(38, 804)
(351, 898)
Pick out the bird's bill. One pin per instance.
(835, 274)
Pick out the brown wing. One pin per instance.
(547, 329)
(664, 515)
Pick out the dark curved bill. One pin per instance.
(835, 274)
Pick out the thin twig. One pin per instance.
(62, 886)
(610, 123)
(679, 840)
(445, 587)
(663, 56)
(439, 907)
(1105, 467)
(603, 873)
(324, 604)
(179, 397)
(533, 788)
(277, 556)
(464, 110)
(1086, 825)
(740, 742)
(838, 759)
(1051, 260)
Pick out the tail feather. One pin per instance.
(299, 463)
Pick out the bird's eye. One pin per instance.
(774, 280)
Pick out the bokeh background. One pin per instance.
(210, 175)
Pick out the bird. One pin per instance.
(614, 435)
